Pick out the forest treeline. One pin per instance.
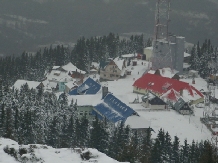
(94, 49)
(204, 58)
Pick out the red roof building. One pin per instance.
(160, 85)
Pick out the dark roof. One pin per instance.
(157, 101)
(88, 87)
(113, 109)
(103, 64)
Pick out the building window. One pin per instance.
(111, 75)
(104, 75)
(81, 113)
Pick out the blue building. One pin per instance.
(89, 87)
(113, 109)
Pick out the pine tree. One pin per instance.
(8, 124)
(176, 150)
(156, 152)
(71, 132)
(185, 152)
(2, 120)
(146, 148)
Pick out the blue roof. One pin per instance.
(90, 87)
(73, 92)
(113, 109)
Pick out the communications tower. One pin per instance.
(162, 19)
(162, 56)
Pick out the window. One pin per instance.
(81, 113)
(111, 75)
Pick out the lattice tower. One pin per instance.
(162, 56)
(162, 19)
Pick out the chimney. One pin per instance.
(181, 92)
(104, 90)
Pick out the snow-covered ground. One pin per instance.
(47, 154)
(183, 126)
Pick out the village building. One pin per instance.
(128, 57)
(60, 75)
(187, 57)
(88, 87)
(114, 70)
(84, 105)
(148, 52)
(95, 100)
(166, 72)
(33, 85)
(69, 86)
(154, 102)
(193, 74)
(159, 85)
(139, 124)
(177, 102)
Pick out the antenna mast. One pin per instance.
(162, 56)
(162, 19)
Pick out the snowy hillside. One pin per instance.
(37, 153)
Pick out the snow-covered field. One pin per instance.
(183, 126)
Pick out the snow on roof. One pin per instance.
(167, 72)
(53, 76)
(151, 71)
(128, 55)
(31, 84)
(187, 54)
(113, 109)
(85, 100)
(193, 71)
(119, 62)
(186, 65)
(47, 86)
(53, 84)
(70, 67)
(93, 70)
(160, 82)
(95, 64)
(71, 84)
(149, 48)
(136, 122)
(55, 67)
(171, 95)
(200, 83)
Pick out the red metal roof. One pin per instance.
(161, 84)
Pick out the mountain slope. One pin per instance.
(25, 24)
